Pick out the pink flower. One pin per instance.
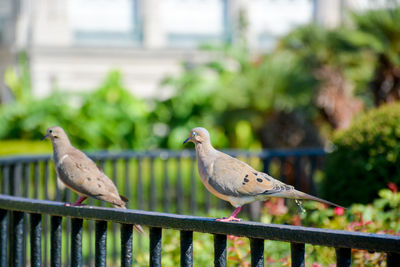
(393, 187)
(316, 264)
(339, 211)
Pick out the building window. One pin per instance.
(190, 23)
(269, 19)
(105, 22)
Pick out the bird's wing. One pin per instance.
(81, 174)
(235, 178)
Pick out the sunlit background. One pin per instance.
(123, 74)
(306, 90)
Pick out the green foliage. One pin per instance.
(340, 49)
(381, 27)
(234, 93)
(365, 158)
(109, 117)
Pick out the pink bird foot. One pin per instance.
(77, 203)
(229, 219)
(232, 217)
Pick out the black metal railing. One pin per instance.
(16, 208)
(155, 180)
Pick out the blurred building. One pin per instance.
(73, 44)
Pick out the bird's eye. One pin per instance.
(194, 134)
(50, 131)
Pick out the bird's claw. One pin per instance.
(230, 219)
(73, 204)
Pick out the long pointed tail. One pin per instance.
(137, 227)
(301, 195)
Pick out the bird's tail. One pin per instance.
(137, 227)
(300, 195)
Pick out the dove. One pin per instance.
(235, 181)
(80, 174)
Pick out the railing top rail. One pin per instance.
(103, 155)
(297, 234)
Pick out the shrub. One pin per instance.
(365, 158)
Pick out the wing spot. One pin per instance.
(99, 185)
(267, 178)
(259, 180)
(243, 183)
(89, 179)
(255, 173)
(246, 180)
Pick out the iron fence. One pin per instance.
(14, 209)
(155, 180)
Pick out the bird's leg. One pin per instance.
(232, 217)
(77, 203)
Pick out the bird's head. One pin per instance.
(55, 133)
(198, 135)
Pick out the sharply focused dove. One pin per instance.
(80, 174)
(235, 181)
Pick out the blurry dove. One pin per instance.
(233, 180)
(80, 174)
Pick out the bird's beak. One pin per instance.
(184, 142)
(44, 137)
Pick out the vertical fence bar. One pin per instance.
(55, 238)
(313, 167)
(90, 234)
(126, 245)
(101, 244)
(46, 196)
(167, 193)
(67, 246)
(193, 187)
(127, 182)
(36, 239)
(152, 188)
(27, 172)
(179, 189)
(219, 250)
(76, 242)
(114, 225)
(36, 179)
(207, 200)
(59, 192)
(46, 179)
(282, 169)
(25, 193)
(6, 179)
(297, 251)
(257, 252)
(155, 247)
(17, 239)
(140, 197)
(343, 257)
(298, 174)
(3, 237)
(393, 259)
(45, 237)
(186, 248)
(266, 163)
(16, 180)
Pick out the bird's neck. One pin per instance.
(60, 148)
(205, 151)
